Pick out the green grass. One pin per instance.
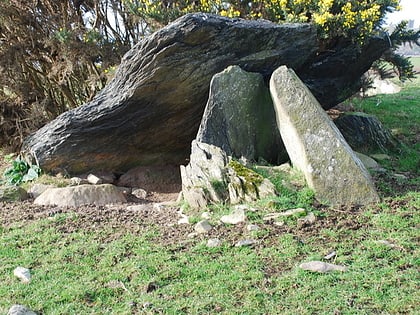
(401, 114)
(114, 270)
(83, 273)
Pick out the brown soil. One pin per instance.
(160, 212)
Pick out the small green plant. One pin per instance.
(21, 171)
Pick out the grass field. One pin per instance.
(109, 267)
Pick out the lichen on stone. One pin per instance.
(247, 174)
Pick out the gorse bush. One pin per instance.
(355, 19)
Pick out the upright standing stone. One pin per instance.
(239, 117)
(316, 146)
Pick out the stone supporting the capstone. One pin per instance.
(316, 146)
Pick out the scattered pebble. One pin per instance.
(246, 242)
(214, 242)
(330, 255)
(322, 267)
(309, 219)
(203, 227)
(94, 180)
(139, 193)
(291, 212)
(184, 219)
(237, 216)
(23, 274)
(279, 223)
(252, 227)
(206, 215)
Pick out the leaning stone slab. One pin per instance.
(79, 195)
(316, 146)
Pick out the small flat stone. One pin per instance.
(237, 216)
(246, 242)
(271, 216)
(203, 227)
(214, 242)
(75, 181)
(23, 274)
(321, 267)
(252, 227)
(94, 180)
(206, 215)
(184, 219)
(330, 255)
(291, 212)
(139, 193)
(309, 219)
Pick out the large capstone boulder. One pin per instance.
(365, 133)
(239, 117)
(151, 110)
(213, 177)
(316, 146)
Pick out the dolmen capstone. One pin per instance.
(316, 146)
(150, 112)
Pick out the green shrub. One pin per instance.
(21, 171)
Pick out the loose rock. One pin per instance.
(79, 195)
(321, 267)
(94, 180)
(214, 242)
(20, 310)
(203, 227)
(12, 193)
(252, 227)
(246, 242)
(237, 216)
(139, 193)
(309, 219)
(23, 274)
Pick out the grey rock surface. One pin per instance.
(149, 113)
(203, 227)
(237, 216)
(316, 146)
(239, 117)
(365, 133)
(212, 177)
(20, 310)
(79, 195)
(321, 267)
(12, 193)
